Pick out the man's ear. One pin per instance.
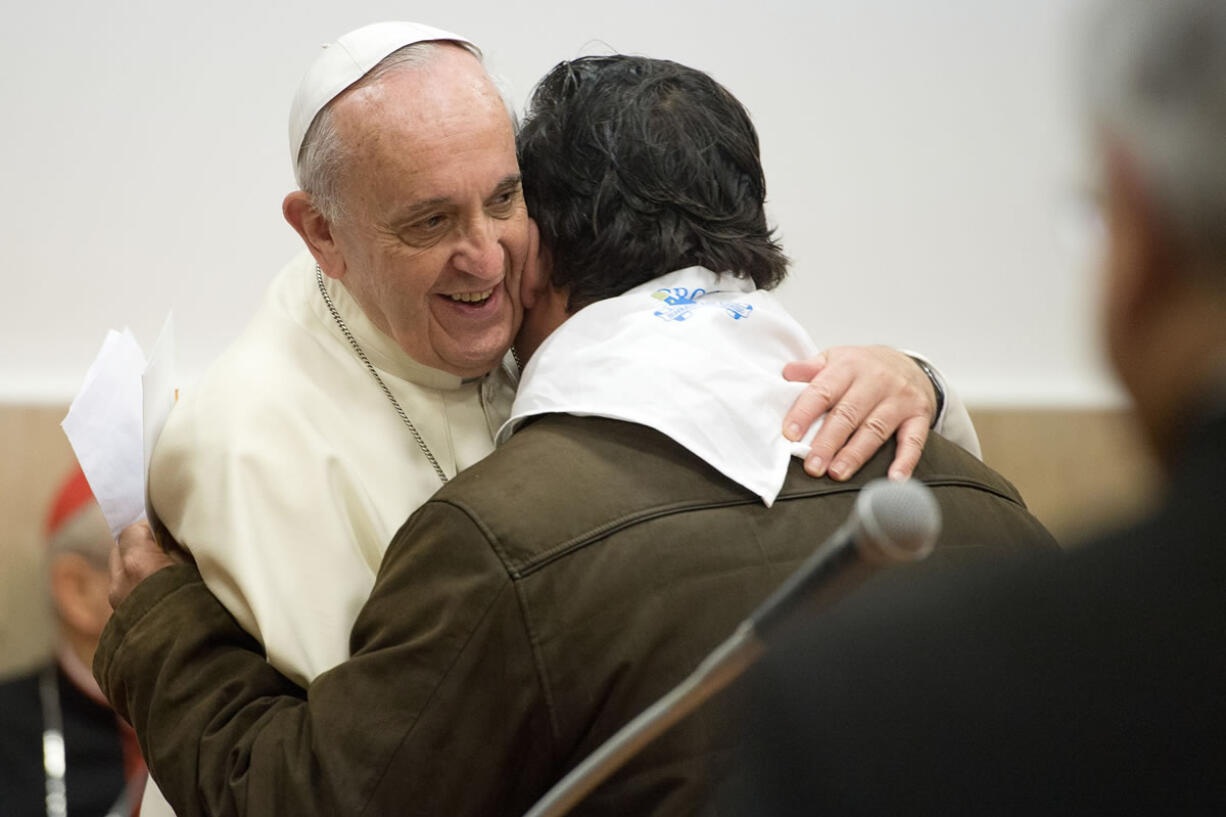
(79, 591)
(1142, 260)
(1143, 275)
(535, 281)
(316, 232)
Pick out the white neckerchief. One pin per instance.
(695, 355)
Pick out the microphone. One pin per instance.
(891, 522)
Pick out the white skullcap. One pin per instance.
(344, 62)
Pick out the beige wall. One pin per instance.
(36, 456)
(1076, 469)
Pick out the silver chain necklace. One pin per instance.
(425, 449)
(55, 755)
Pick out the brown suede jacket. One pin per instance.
(537, 603)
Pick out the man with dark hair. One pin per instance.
(644, 504)
(1089, 681)
(618, 213)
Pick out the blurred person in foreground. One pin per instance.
(642, 505)
(1091, 681)
(63, 751)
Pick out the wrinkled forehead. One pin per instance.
(446, 96)
(429, 126)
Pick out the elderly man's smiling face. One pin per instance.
(434, 233)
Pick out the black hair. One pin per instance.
(634, 168)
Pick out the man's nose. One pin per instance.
(480, 251)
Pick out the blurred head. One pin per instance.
(411, 198)
(1155, 81)
(634, 168)
(78, 546)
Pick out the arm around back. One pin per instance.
(442, 689)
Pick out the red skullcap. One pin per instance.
(73, 495)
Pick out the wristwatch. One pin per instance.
(937, 388)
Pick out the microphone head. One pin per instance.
(896, 521)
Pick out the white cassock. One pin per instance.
(286, 471)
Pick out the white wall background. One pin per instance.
(922, 161)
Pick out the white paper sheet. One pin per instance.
(115, 420)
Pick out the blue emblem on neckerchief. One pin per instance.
(682, 302)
